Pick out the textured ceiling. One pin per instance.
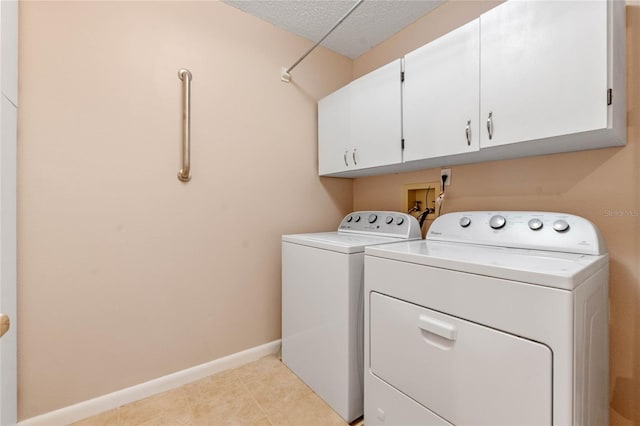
(370, 24)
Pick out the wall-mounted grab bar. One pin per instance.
(184, 175)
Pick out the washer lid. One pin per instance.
(552, 269)
(338, 241)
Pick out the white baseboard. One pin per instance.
(91, 407)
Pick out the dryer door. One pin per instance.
(464, 372)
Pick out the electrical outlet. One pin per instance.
(447, 173)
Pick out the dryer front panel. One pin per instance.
(466, 373)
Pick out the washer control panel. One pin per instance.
(530, 230)
(384, 223)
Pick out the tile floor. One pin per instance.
(264, 392)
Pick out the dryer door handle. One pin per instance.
(440, 328)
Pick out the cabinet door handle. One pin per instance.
(346, 163)
(437, 327)
(468, 132)
(490, 125)
(353, 154)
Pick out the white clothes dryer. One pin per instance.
(497, 318)
(322, 303)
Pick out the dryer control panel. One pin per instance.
(529, 230)
(383, 223)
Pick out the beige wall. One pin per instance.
(592, 184)
(126, 274)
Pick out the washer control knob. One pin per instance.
(465, 221)
(535, 224)
(560, 225)
(399, 220)
(497, 221)
(350, 218)
(372, 218)
(357, 218)
(388, 220)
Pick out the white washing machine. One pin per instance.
(497, 318)
(322, 303)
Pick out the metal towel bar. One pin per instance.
(184, 175)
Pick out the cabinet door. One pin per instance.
(376, 117)
(543, 70)
(442, 95)
(9, 44)
(334, 132)
(8, 343)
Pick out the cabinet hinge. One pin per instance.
(609, 96)
(401, 76)
(402, 144)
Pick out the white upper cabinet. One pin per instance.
(359, 126)
(441, 96)
(545, 70)
(9, 49)
(334, 132)
(376, 117)
(526, 78)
